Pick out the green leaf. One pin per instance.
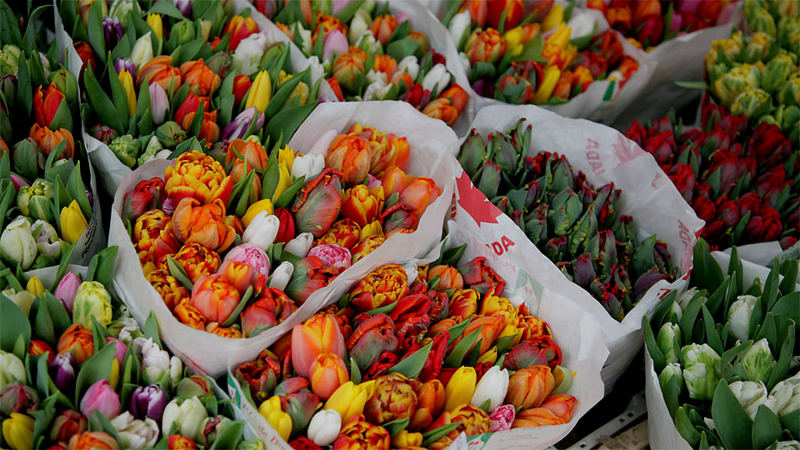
(102, 266)
(401, 48)
(699, 85)
(287, 195)
(413, 364)
(781, 368)
(733, 424)
(706, 273)
(101, 104)
(99, 422)
(690, 317)
(347, 13)
(791, 422)
(685, 426)
(14, 328)
(383, 309)
(97, 367)
(166, 9)
(735, 269)
(178, 272)
(42, 323)
(659, 360)
(355, 372)
(67, 250)
(230, 437)
(282, 93)
(712, 335)
(672, 392)
(456, 330)
(788, 306)
(434, 435)
(24, 88)
(77, 190)
(242, 303)
(766, 428)
(460, 350)
(150, 329)
(396, 426)
(97, 39)
(789, 270)
(286, 122)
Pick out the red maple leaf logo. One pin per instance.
(625, 149)
(474, 202)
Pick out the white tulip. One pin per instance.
(739, 315)
(750, 394)
(581, 23)
(785, 396)
(436, 80)
(262, 231)
(374, 76)
(23, 299)
(492, 387)
(305, 37)
(247, 57)
(409, 65)
(324, 427)
(155, 362)
(376, 90)
(12, 371)
(281, 276)
(359, 25)
(308, 165)
(17, 243)
(135, 433)
(188, 415)
(300, 245)
(459, 27)
(142, 52)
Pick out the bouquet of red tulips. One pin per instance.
(377, 51)
(233, 246)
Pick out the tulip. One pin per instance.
(669, 341)
(239, 28)
(98, 440)
(271, 411)
(750, 395)
(148, 402)
(324, 427)
(701, 370)
(155, 361)
(349, 399)
(9, 59)
(785, 396)
(251, 255)
(159, 70)
(159, 103)
(351, 155)
(436, 80)
(261, 231)
(318, 335)
(260, 92)
(126, 149)
(335, 43)
(18, 431)
(142, 52)
(102, 398)
(318, 203)
(126, 80)
(492, 388)
(51, 109)
(188, 415)
(68, 424)
(536, 417)
(203, 224)
(393, 399)
(739, 315)
(529, 387)
(78, 341)
(134, 433)
(247, 57)
(92, 300)
(13, 370)
(73, 223)
(758, 361)
(308, 166)
(35, 200)
(22, 299)
(62, 371)
(264, 205)
(300, 245)
(460, 388)
(67, 289)
(241, 123)
(332, 255)
(273, 307)
(328, 372)
(17, 243)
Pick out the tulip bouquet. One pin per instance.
(757, 75)
(79, 373)
(576, 225)
(742, 181)
(722, 354)
(372, 51)
(45, 179)
(647, 23)
(535, 52)
(181, 71)
(412, 361)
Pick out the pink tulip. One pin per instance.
(335, 42)
(102, 398)
(250, 255)
(332, 255)
(66, 289)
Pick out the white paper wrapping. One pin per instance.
(604, 155)
(432, 143)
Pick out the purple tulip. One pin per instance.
(62, 370)
(238, 127)
(184, 6)
(102, 398)
(335, 42)
(148, 401)
(159, 103)
(66, 289)
(112, 28)
(125, 64)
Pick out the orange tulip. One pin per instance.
(383, 27)
(226, 332)
(446, 278)
(46, 104)
(202, 79)
(48, 139)
(442, 109)
(241, 276)
(536, 417)
(317, 335)
(458, 97)
(532, 327)
(250, 151)
(478, 11)
(485, 46)
(360, 205)
(170, 290)
(384, 285)
(563, 87)
(560, 405)
(241, 169)
(189, 315)
(348, 65)
(418, 194)
(463, 304)
(351, 155)
(493, 305)
(528, 387)
(154, 238)
(214, 297)
(196, 260)
(473, 419)
(393, 399)
(76, 340)
(421, 39)
(209, 130)
(366, 246)
(344, 232)
(326, 24)
(385, 64)
(582, 77)
(239, 27)
(395, 180)
(160, 70)
(359, 434)
(386, 149)
(198, 176)
(93, 440)
(203, 224)
(490, 327)
(430, 401)
(328, 372)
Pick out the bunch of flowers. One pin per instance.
(79, 373)
(370, 53)
(647, 23)
(44, 203)
(724, 355)
(522, 53)
(209, 232)
(405, 362)
(757, 75)
(575, 224)
(182, 71)
(742, 181)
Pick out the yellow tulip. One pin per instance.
(284, 180)
(260, 92)
(127, 83)
(286, 155)
(513, 37)
(551, 76)
(490, 356)
(18, 431)
(511, 330)
(349, 399)
(406, 439)
(279, 420)
(253, 210)
(460, 388)
(560, 38)
(35, 286)
(72, 222)
(154, 21)
(554, 17)
(301, 92)
(371, 229)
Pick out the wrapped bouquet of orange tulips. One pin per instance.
(415, 357)
(232, 243)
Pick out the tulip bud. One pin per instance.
(68, 424)
(22, 299)
(281, 275)
(752, 103)
(274, 415)
(159, 103)
(492, 387)
(102, 398)
(750, 395)
(669, 341)
(18, 398)
(247, 57)
(188, 415)
(17, 243)
(142, 52)
(701, 370)
(758, 361)
(260, 92)
(241, 123)
(148, 402)
(436, 80)
(170, 134)
(9, 59)
(460, 388)
(324, 427)
(785, 396)
(62, 370)
(47, 241)
(308, 166)
(739, 316)
(300, 245)
(67, 289)
(262, 230)
(134, 433)
(92, 300)
(18, 431)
